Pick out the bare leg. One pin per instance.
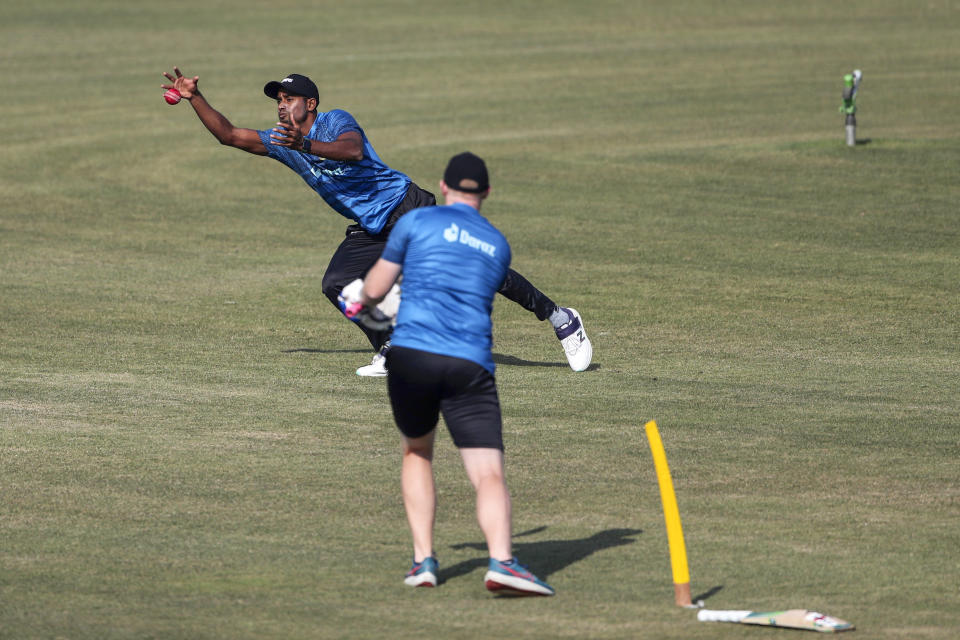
(485, 470)
(419, 493)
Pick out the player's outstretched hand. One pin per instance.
(287, 134)
(186, 86)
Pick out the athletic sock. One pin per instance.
(559, 317)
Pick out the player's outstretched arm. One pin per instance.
(216, 123)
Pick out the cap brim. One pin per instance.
(271, 89)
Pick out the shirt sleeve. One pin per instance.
(340, 122)
(275, 151)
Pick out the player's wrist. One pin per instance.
(305, 145)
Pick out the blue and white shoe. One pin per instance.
(512, 578)
(423, 573)
(576, 344)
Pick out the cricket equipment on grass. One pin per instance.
(378, 318)
(575, 342)
(790, 619)
(512, 578)
(851, 83)
(671, 515)
(857, 76)
(378, 366)
(423, 573)
(793, 618)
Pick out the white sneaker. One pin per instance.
(378, 366)
(575, 342)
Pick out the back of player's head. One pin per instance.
(468, 173)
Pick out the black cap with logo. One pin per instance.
(294, 83)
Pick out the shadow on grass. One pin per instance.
(305, 350)
(499, 358)
(708, 593)
(546, 557)
(513, 361)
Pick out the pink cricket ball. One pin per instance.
(172, 96)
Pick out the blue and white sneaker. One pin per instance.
(423, 573)
(576, 344)
(512, 578)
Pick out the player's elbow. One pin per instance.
(349, 147)
(223, 137)
(238, 142)
(354, 149)
(229, 139)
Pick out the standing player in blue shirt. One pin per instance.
(453, 262)
(331, 153)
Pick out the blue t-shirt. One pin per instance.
(365, 191)
(453, 262)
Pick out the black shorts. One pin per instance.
(422, 385)
(359, 251)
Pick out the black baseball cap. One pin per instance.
(467, 172)
(294, 83)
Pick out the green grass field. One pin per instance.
(185, 451)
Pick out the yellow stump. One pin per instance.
(671, 514)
